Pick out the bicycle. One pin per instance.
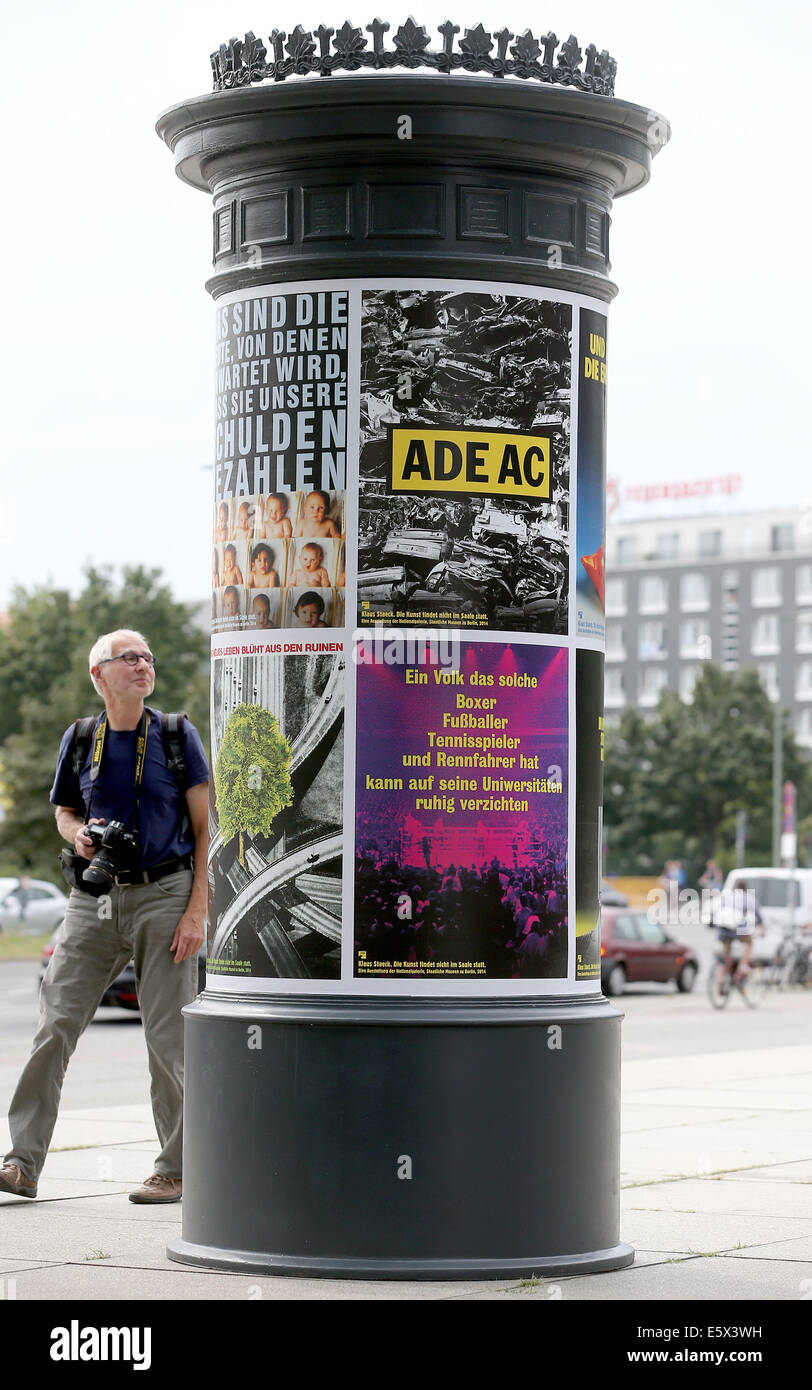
(725, 977)
(794, 960)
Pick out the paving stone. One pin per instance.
(676, 1232)
(719, 1196)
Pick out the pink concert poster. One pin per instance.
(461, 820)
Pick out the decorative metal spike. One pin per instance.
(503, 37)
(448, 30)
(242, 62)
(377, 29)
(549, 42)
(278, 37)
(324, 36)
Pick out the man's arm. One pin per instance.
(190, 932)
(71, 826)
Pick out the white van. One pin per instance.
(784, 897)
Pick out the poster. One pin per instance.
(464, 461)
(591, 527)
(276, 857)
(279, 535)
(461, 825)
(589, 736)
(405, 478)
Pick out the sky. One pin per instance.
(108, 349)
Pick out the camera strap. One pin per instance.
(140, 759)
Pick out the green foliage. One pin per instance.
(674, 782)
(46, 686)
(252, 777)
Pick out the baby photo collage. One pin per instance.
(278, 561)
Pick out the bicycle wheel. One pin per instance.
(718, 984)
(753, 986)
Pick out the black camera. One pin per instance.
(117, 850)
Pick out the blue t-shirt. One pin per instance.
(161, 804)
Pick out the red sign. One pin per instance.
(727, 484)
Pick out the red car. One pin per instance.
(635, 948)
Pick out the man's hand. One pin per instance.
(190, 934)
(82, 842)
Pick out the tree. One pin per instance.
(43, 655)
(252, 778)
(674, 782)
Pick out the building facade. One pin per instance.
(733, 588)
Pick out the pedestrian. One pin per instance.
(152, 907)
(712, 878)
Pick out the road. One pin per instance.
(110, 1064)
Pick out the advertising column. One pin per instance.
(409, 482)
(402, 1048)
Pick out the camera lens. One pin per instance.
(101, 871)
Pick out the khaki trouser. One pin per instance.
(97, 939)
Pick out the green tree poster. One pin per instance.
(252, 777)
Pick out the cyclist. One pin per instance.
(736, 917)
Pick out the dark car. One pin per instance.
(633, 948)
(121, 993)
(612, 896)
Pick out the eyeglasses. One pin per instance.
(131, 658)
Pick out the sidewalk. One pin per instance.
(716, 1200)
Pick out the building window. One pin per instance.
(710, 543)
(803, 681)
(766, 633)
(765, 587)
(694, 592)
(615, 642)
(688, 677)
(803, 633)
(653, 594)
(768, 675)
(803, 726)
(615, 597)
(668, 546)
(627, 550)
(613, 689)
(694, 638)
(782, 538)
(803, 584)
(653, 680)
(651, 641)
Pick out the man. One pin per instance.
(154, 911)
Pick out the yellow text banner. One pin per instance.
(478, 462)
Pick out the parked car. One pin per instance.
(121, 992)
(633, 948)
(37, 906)
(611, 896)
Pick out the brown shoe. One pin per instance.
(13, 1180)
(157, 1188)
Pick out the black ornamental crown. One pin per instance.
(324, 51)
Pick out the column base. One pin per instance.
(543, 1267)
(369, 1139)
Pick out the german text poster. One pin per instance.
(591, 531)
(461, 824)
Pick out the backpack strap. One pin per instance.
(172, 738)
(82, 739)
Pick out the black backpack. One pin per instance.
(171, 738)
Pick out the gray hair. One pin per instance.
(102, 650)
